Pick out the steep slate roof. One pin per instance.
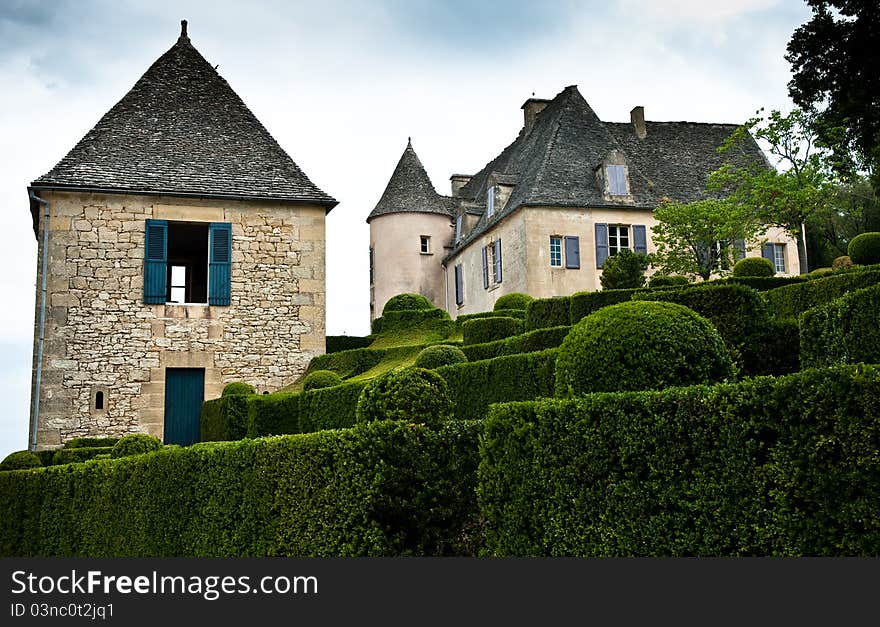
(410, 190)
(555, 163)
(182, 130)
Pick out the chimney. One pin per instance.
(637, 117)
(459, 181)
(183, 35)
(531, 108)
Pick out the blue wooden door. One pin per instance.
(184, 395)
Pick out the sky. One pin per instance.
(341, 85)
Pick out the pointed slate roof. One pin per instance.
(555, 163)
(182, 130)
(409, 190)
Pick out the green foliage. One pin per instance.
(528, 342)
(320, 379)
(224, 418)
(348, 363)
(765, 283)
(754, 267)
(337, 343)
(640, 345)
(238, 387)
(411, 394)
(438, 355)
(864, 249)
(397, 328)
(663, 280)
(79, 454)
(844, 261)
(135, 444)
(380, 489)
(474, 385)
(514, 300)
(819, 272)
(304, 412)
(786, 466)
(407, 302)
(698, 238)
(20, 460)
(547, 312)
(519, 314)
(790, 301)
(846, 330)
(482, 330)
(582, 304)
(90, 442)
(625, 270)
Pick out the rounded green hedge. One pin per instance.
(482, 330)
(135, 444)
(864, 249)
(843, 261)
(412, 394)
(407, 302)
(238, 387)
(661, 280)
(754, 266)
(321, 379)
(439, 355)
(19, 460)
(640, 345)
(514, 300)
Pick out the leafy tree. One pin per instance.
(835, 59)
(700, 237)
(854, 208)
(625, 270)
(787, 197)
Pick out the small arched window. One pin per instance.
(99, 400)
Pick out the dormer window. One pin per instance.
(490, 201)
(616, 177)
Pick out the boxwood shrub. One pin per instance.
(482, 330)
(846, 330)
(415, 395)
(90, 441)
(79, 454)
(585, 303)
(380, 489)
(20, 460)
(317, 379)
(513, 300)
(337, 343)
(533, 341)
(238, 388)
(791, 301)
(519, 314)
(770, 466)
(548, 312)
(403, 319)
(348, 363)
(864, 249)
(754, 267)
(763, 284)
(303, 412)
(439, 355)
(135, 444)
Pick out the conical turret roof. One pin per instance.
(182, 130)
(410, 190)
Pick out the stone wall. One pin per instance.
(100, 336)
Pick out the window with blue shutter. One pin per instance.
(767, 252)
(497, 268)
(490, 202)
(616, 175)
(739, 247)
(220, 263)
(640, 239)
(155, 261)
(485, 250)
(601, 244)
(572, 252)
(459, 292)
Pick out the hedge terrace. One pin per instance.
(790, 301)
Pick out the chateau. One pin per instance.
(179, 248)
(542, 217)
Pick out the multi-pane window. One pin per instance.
(459, 285)
(616, 175)
(425, 244)
(618, 238)
(779, 257)
(178, 284)
(555, 252)
(490, 202)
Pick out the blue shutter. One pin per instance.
(498, 260)
(601, 244)
(220, 263)
(459, 293)
(155, 261)
(767, 253)
(485, 267)
(573, 252)
(640, 239)
(739, 246)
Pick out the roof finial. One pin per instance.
(409, 142)
(183, 35)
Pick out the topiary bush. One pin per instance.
(548, 312)
(864, 249)
(439, 355)
(482, 330)
(844, 261)
(754, 266)
(407, 302)
(238, 387)
(640, 345)
(514, 300)
(90, 442)
(321, 379)
(20, 460)
(135, 444)
(625, 270)
(412, 394)
(660, 280)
